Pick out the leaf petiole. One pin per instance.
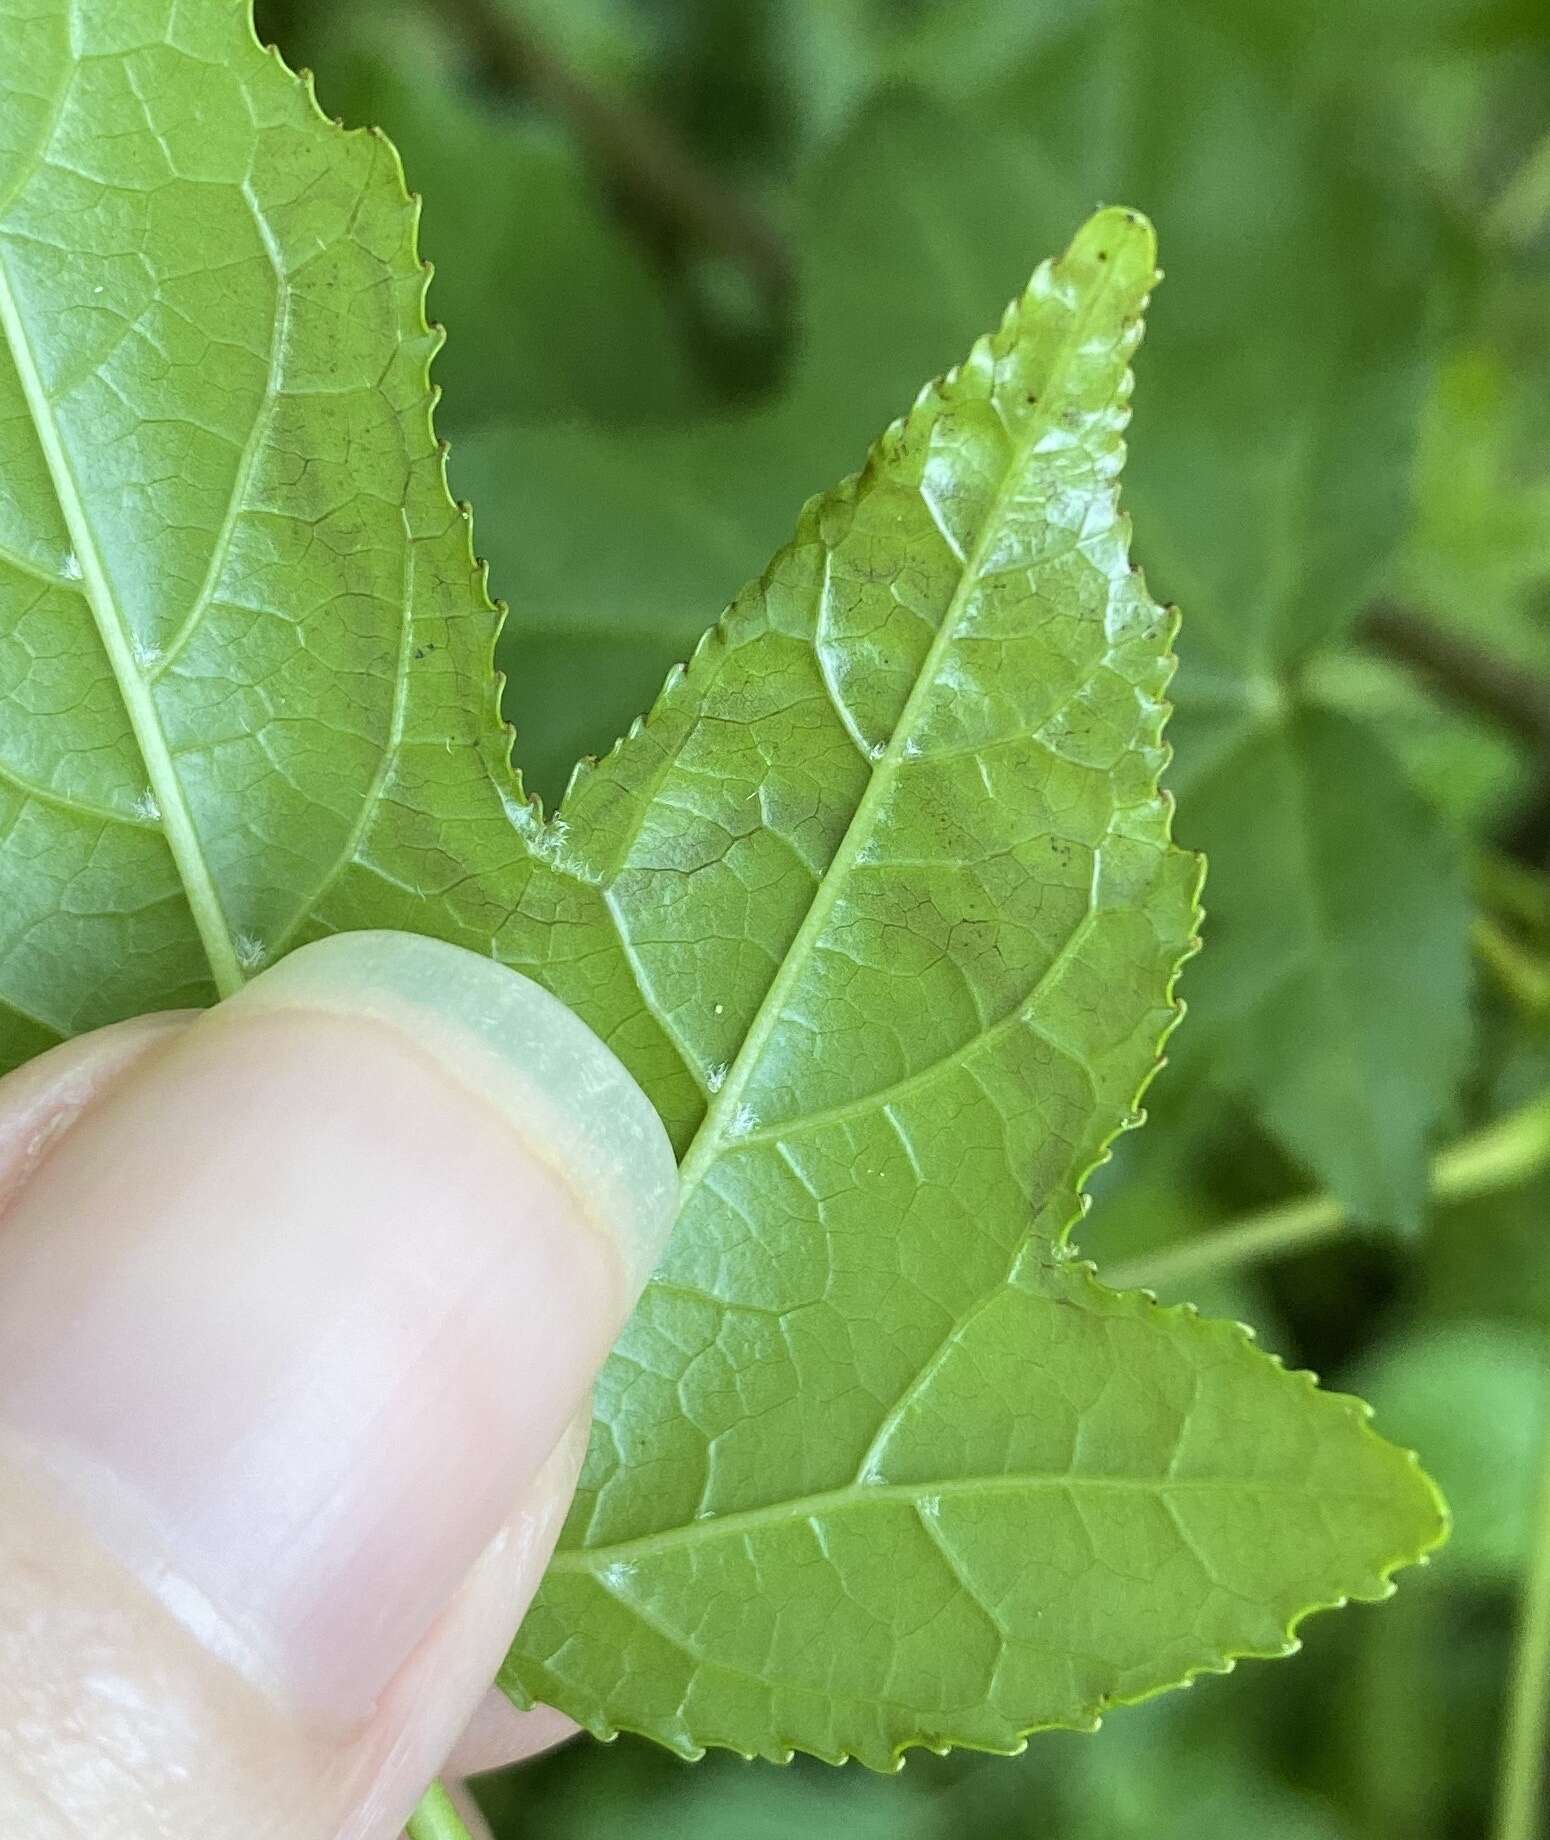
(1506, 1151)
(1521, 1781)
(436, 1818)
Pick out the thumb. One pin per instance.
(301, 1300)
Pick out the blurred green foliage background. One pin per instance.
(692, 255)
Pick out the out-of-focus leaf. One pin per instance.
(1493, 1256)
(1342, 900)
(551, 307)
(829, 53)
(1200, 1163)
(1367, 27)
(1169, 1770)
(631, 1791)
(1479, 558)
(1475, 1396)
(1398, 1713)
(1490, 1257)
(1462, 766)
(1470, 116)
(960, 49)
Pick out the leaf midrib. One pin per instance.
(708, 1140)
(916, 1495)
(177, 820)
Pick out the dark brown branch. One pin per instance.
(1510, 696)
(638, 155)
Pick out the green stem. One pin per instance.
(1521, 1783)
(1523, 975)
(1497, 1156)
(436, 1818)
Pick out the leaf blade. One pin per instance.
(686, 1605)
(836, 1282)
(1039, 1616)
(263, 496)
(112, 628)
(1331, 849)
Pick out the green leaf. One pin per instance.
(967, 913)
(224, 535)
(634, 1791)
(1077, 1499)
(879, 905)
(551, 309)
(1334, 891)
(1348, 897)
(1479, 557)
(1271, 508)
(1465, 770)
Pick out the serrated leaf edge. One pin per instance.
(928, 401)
(526, 809)
(1376, 1589)
(497, 735)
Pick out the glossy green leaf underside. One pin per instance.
(879, 905)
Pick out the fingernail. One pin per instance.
(293, 1316)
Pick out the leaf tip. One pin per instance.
(1119, 241)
